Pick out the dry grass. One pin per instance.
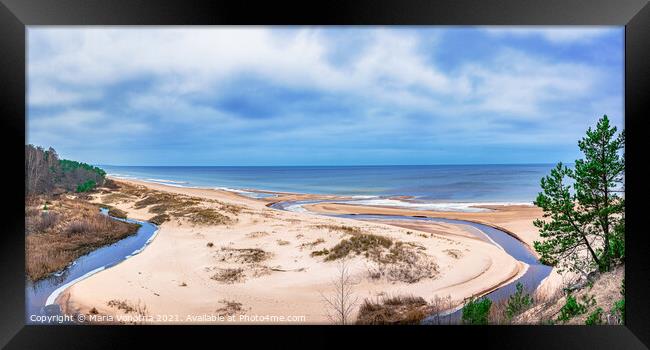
(229, 275)
(115, 197)
(139, 309)
(117, 213)
(257, 234)
(395, 261)
(454, 253)
(404, 262)
(207, 216)
(603, 293)
(163, 201)
(166, 205)
(68, 230)
(159, 219)
(46, 221)
(365, 243)
(230, 308)
(186, 206)
(339, 228)
(241, 255)
(311, 244)
(392, 310)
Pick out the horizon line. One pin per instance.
(328, 165)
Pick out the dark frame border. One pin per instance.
(15, 15)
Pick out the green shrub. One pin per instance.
(571, 309)
(86, 186)
(595, 317)
(476, 312)
(617, 242)
(518, 302)
(71, 165)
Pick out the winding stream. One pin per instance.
(530, 279)
(40, 295)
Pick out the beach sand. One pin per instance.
(172, 277)
(516, 220)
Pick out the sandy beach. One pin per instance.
(180, 275)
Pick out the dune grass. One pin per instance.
(166, 205)
(69, 229)
(392, 310)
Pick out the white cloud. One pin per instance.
(519, 84)
(390, 74)
(555, 35)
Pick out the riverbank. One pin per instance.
(261, 261)
(60, 229)
(516, 220)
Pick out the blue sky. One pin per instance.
(321, 95)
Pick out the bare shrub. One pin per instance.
(439, 308)
(47, 221)
(341, 303)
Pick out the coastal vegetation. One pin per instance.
(66, 230)
(476, 311)
(118, 213)
(584, 223)
(167, 205)
(45, 173)
(60, 225)
(159, 219)
(582, 231)
(583, 227)
(392, 310)
(518, 302)
(368, 244)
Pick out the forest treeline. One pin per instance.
(45, 173)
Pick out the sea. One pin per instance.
(426, 187)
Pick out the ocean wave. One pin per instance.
(167, 181)
(121, 176)
(250, 194)
(472, 207)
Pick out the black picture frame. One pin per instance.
(15, 15)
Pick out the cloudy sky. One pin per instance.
(321, 96)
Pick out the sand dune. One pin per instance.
(174, 277)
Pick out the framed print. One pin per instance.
(378, 169)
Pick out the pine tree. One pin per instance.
(583, 223)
